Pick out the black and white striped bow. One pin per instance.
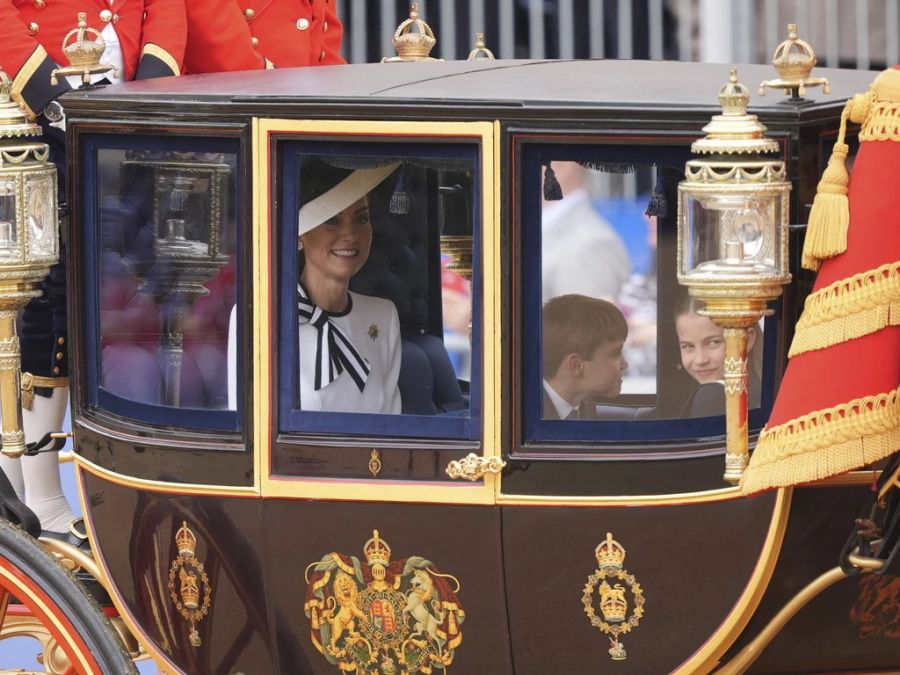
(334, 351)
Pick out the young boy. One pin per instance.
(582, 355)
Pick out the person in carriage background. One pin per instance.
(150, 38)
(143, 39)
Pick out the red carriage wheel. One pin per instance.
(39, 598)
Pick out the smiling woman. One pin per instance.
(349, 344)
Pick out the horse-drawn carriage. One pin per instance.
(236, 530)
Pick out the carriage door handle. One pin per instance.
(474, 467)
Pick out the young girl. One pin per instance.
(702, 346)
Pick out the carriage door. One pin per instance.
(367, 406)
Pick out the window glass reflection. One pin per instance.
(167, 275)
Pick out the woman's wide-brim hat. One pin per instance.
(838, 407)
(341, 189)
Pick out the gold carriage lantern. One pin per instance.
(733, 210)
(29, 245)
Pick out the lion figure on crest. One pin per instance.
(342, 614)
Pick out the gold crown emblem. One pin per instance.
(185, 540)
(414, 38)
(610, 554)
(377, 551)
(84, 50)
(613, 603)
(794, 58)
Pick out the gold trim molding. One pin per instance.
(708, 655)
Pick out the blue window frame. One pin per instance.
(425, 162)
(130, 181)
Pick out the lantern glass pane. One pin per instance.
(8, 234)
(732, 233)
(40, 216)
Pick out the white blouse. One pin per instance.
(373, 328)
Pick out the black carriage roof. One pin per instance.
(502, 84)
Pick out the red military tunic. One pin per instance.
(228, 35)
(152, 35)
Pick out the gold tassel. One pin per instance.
(826, 232)
(829, 219)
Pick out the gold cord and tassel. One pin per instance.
(829, 219)
(850, 308)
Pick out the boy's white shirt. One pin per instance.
(562, 406)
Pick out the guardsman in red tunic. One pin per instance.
(144, 38)
(228, 35)
(148, 35)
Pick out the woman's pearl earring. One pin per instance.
(300, 246)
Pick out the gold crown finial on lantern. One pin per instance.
(794, 59)
(84, 53)
(734, 131)
(377, 551)
(734, 96)
(481, 52)
(413, 39)
(13, 118)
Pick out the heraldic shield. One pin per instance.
(383, 616)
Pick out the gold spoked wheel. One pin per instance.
(40, 599)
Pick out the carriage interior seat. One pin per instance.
(404, 267)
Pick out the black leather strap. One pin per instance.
(877, 532)
(15, 510)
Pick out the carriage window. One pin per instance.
(618, 340)
(165, 229)
(378, 318)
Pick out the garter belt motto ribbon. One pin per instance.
(334, 351)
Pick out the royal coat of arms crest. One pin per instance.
(382, 615)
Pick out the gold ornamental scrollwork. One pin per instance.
(189, 585)
(383, 616)
(611, 582)
(474, 467)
